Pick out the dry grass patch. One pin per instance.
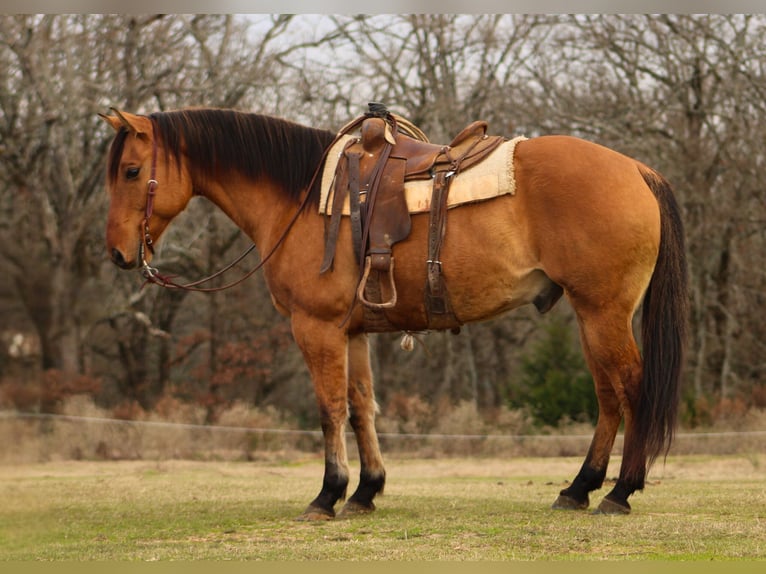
(694, 508)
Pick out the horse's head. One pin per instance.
(147, 189)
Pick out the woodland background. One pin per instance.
(684, 94)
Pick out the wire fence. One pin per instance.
(32, 437)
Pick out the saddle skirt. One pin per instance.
(493, 177)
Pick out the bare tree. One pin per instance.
(441, 70)
(681, 92)
(684, 93)
(59, 71)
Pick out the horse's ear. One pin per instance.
(112, 121)
(119, 120)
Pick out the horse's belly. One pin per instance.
(504, 294)
(476, 297)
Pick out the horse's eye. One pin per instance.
(132, 172)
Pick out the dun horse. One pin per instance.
(584, 221)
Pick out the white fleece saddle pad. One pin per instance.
(492, 177)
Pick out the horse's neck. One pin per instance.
(259, 209)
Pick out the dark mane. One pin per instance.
(215, 141)
(115, 154)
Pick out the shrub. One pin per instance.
(555, 383)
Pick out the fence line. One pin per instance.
(316, 433)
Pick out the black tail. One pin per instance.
(664, 328)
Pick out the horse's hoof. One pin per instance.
(609, 506)
(564, 502)
(315, 514)
(351, 509)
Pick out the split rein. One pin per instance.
(152, 274)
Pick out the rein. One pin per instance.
(152, 274)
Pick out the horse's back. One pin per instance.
(578, 172)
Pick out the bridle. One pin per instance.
(147, 243)
(152, 274)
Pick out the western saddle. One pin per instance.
(371, 173)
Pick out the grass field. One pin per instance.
(694, 508)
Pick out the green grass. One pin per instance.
(694, 508)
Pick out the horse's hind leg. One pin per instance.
(372, 475)
(612, 355)
(593, 470)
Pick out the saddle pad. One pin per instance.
(492, 177)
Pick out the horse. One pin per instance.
(585, 221)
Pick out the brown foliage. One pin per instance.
(47, 392)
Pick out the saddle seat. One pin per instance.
(371, 173)
(422, 158)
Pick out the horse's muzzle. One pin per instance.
(119, 259)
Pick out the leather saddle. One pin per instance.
(371, 173)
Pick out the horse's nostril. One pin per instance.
(118, 259)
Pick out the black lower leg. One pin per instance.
(623, 489)
(587, 480)
(333, 489)
(632, 477)
(369, 486)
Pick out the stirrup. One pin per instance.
(363, 284)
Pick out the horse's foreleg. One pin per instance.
(615, 363)
(324, 349)
(361, 396)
